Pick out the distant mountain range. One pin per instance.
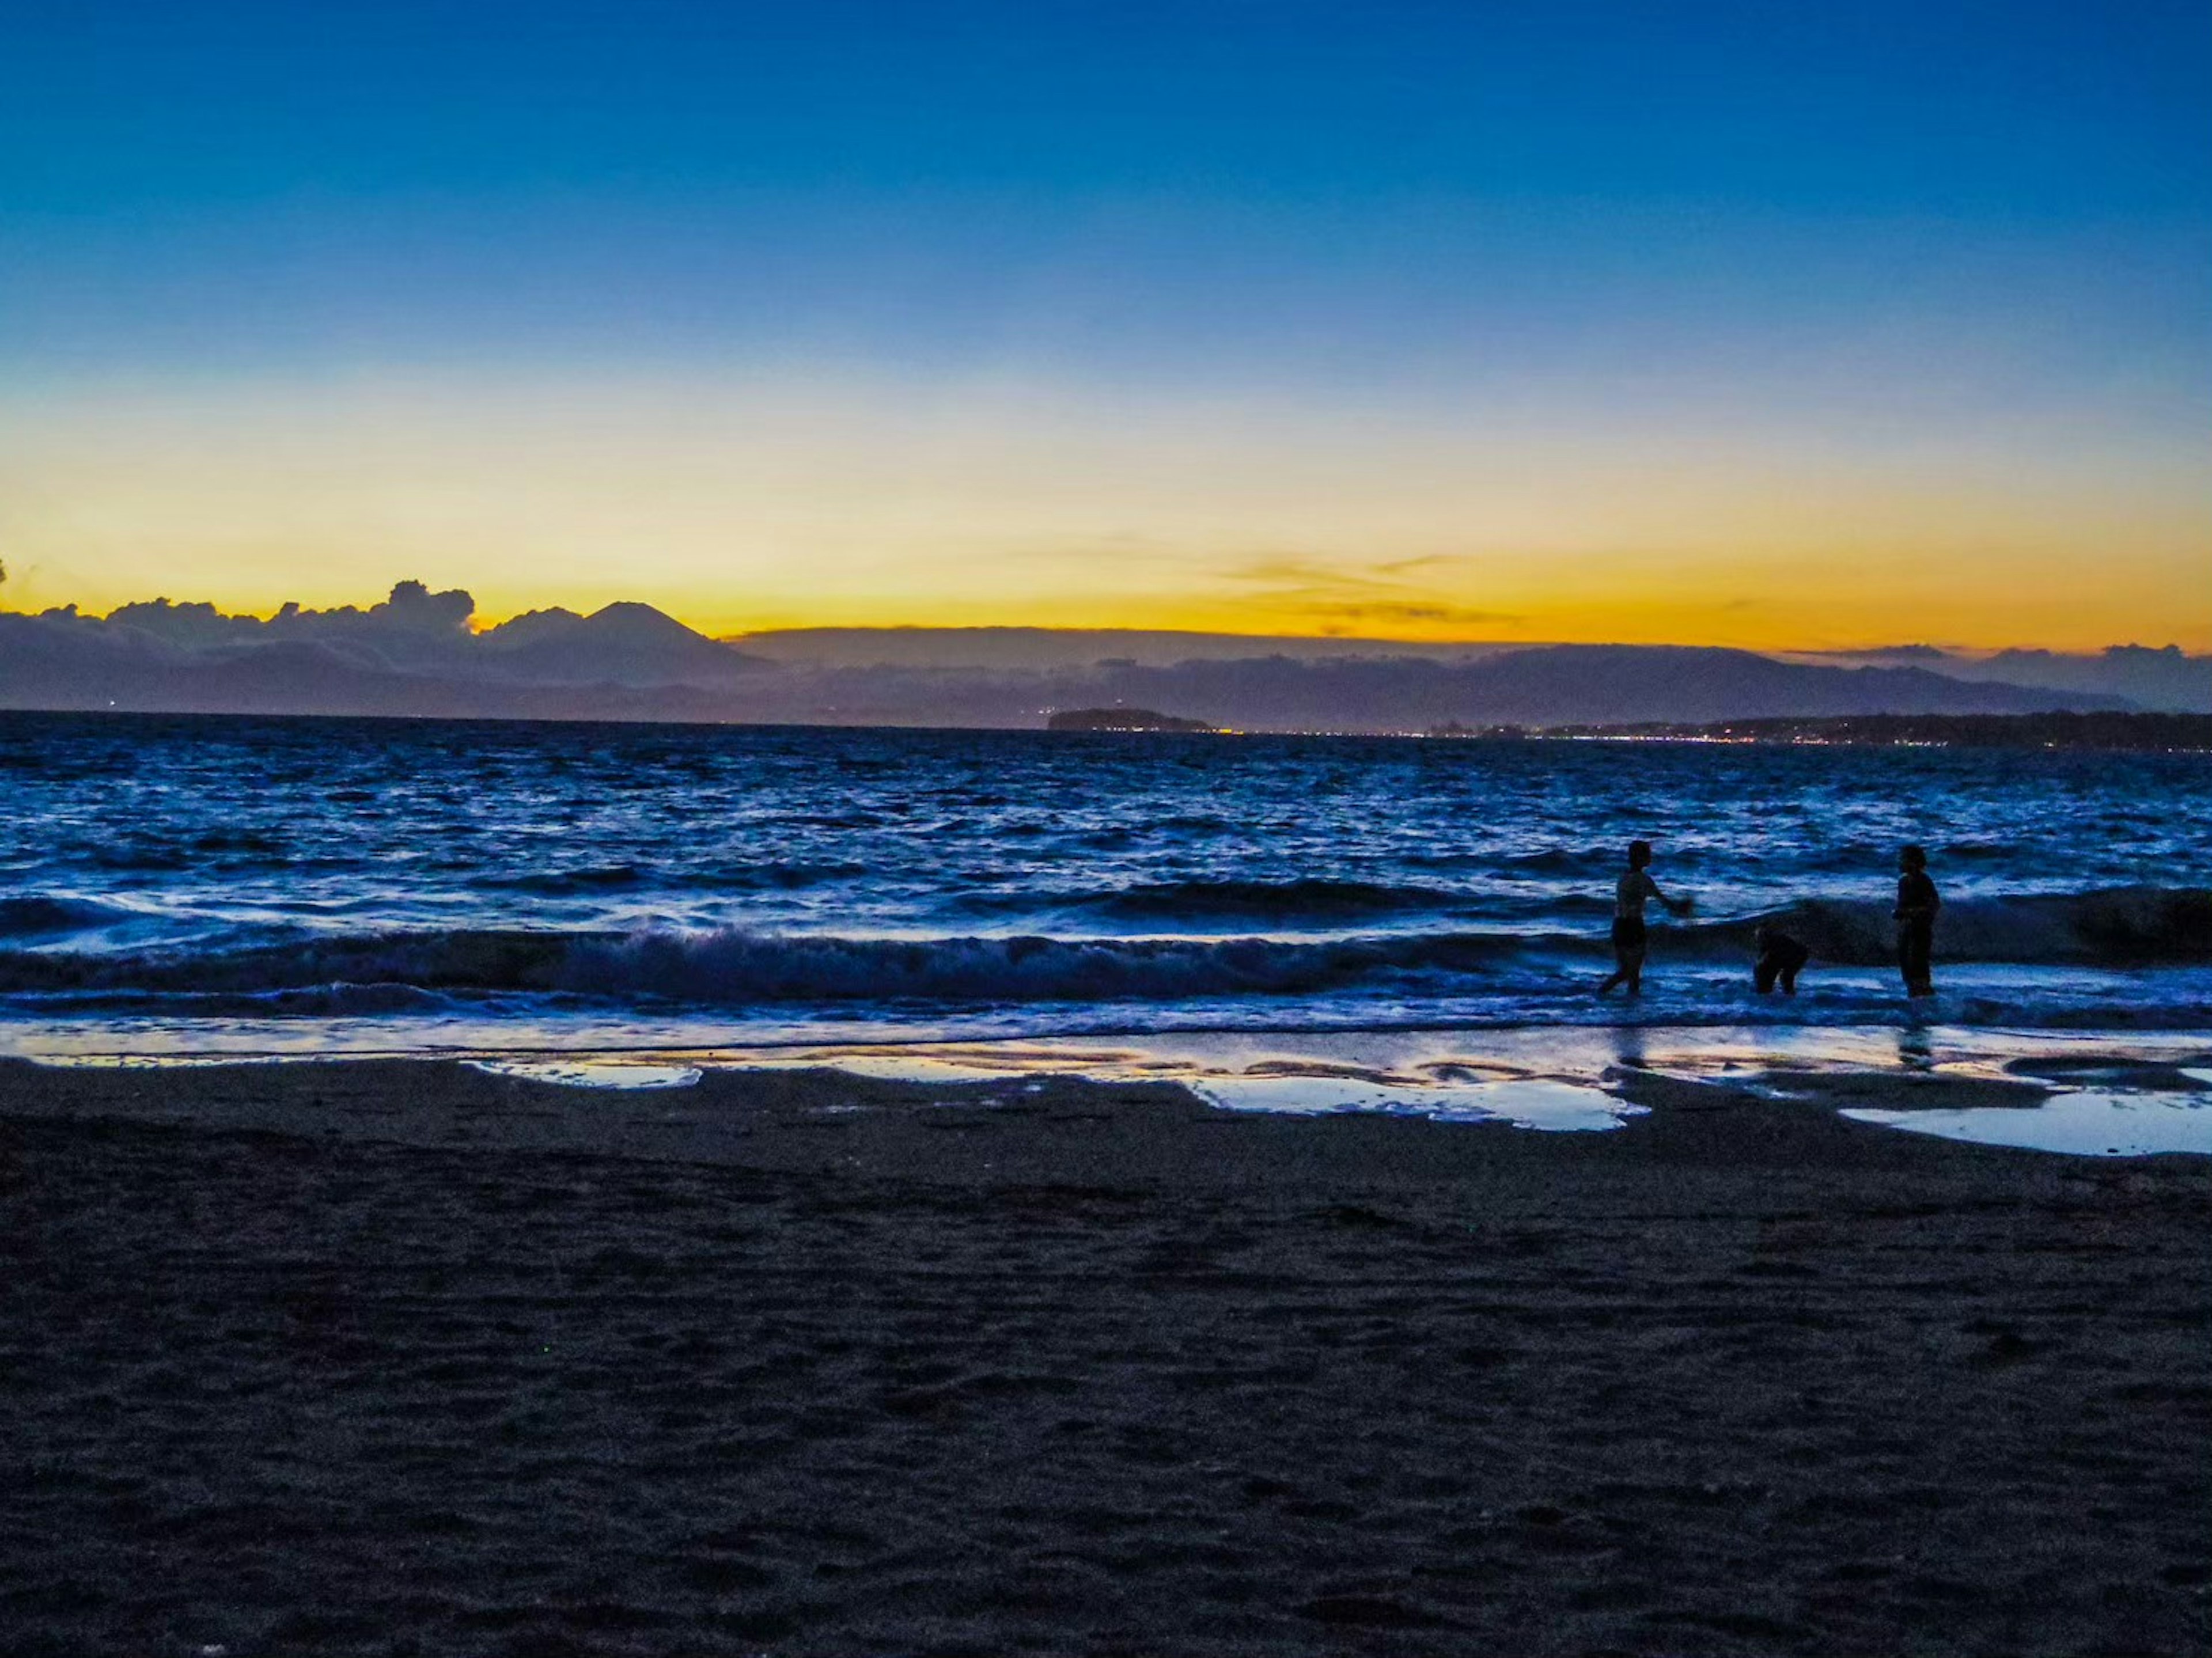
(417, 653)
(2168, 679)
(1039, 650)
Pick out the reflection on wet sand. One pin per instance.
(2089, 1095)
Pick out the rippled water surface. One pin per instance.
(207, 868)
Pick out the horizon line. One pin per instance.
(477, 625)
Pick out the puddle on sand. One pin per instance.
(161, 1061)
(2084, 1124)
(1535, 1102)
(587, 1073)
(1543, 1079)
(919, 1068)
(1245, 1074)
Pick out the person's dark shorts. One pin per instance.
(1628, 933)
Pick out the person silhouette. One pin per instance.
(1629, 894)
(1780, 959)
(1916, 904)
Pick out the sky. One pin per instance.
(1821, 326)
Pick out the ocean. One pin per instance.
(183, 880)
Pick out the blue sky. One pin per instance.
(2017, 109)
(1817, 238)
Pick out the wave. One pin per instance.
(733, 967)
(33, 915)
(598, 878)
(1283, 903)
(742, 967)
(2114, 926)
(606, 877)
(238, 840)
(143, 858)
(455, 960)
(1553, 860)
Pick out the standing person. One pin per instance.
(1629, 894)
(1916, 904)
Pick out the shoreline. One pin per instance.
(153, 1037)
(2152, 1092)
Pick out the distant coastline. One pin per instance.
(2129, 732)
(1126, 719)
(2116, 733)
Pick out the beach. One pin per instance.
(403, 1356)
(1041, 831)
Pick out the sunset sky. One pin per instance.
(1806, 327)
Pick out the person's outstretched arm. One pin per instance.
(1674, 906)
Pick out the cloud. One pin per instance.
(414, 605)
(1373, 595)
(412, 610)
(1457, 616)
(1397, 566)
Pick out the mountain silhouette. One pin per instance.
(624, 644)
(417, 653)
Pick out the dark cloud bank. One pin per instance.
(415, 654)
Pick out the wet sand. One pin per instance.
(405, 1357)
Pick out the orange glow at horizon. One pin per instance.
(794, 505)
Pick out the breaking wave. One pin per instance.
(35, 915)
(736, 967)
(726, 966)
(1169, 904)
(2117, 927)
(741, 967)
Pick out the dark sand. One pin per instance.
(385, 1357)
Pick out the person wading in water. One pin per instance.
(1634, 886)
(1916, 904)
(1781, 959)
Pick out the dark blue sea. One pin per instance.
(509, 882)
